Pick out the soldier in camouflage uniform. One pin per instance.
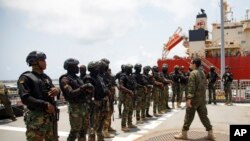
(149, 83)
(227, 78)
(158, 86)
(6, 102)
(166, 84)
(127, 87)
(75, 93)
(83, 73)
(37, 92)
(176, 86)
(110, 97)
(98, 105)
(212, 78)
(184, 83)
(120, 96)
(141, 90)
(196, 101)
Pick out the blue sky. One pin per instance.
(123, 31)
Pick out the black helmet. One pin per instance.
(164, 67)
(227, 67)
(176, 67)
(123, 67)
(93, 65)
(146, 68)
(105, 60)
(35, 56)
(182, 68)
(212, 68)
(197, 62)
(70, 62)
(83, 67)
(137, 66)
(128, 68)
(155, 69)
(103, 66)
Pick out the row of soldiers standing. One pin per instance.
(136, 90)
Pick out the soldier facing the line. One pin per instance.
(196, 101)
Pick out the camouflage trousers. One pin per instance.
(211, 93)
(120, 101)
(183, 89)
(127, 112)
(202, 112)
(176, 92)
(39, 126)
(97, 116)
(78, 122)
(155, 97)
(228, 92)
(148, 99)
(7, 105)
(108, 116)
(140, 104)
(165, 97)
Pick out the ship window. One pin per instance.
(239, 32)
(243, 42)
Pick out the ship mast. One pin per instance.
(223, 7)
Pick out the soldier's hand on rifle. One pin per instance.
(54, 91)
(50, 108)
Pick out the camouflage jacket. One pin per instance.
(197, 87)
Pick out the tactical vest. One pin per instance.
(212, 77)
(40, 87)
(130, 83)
(75, 84)
(176, 77)
(99, 85)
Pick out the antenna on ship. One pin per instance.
(223, 5)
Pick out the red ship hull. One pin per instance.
(240, 65)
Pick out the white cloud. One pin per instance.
(84, 19)
(92, 20)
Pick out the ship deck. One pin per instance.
(159, 129)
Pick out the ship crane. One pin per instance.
(172, 42)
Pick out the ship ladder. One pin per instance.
(207, 64)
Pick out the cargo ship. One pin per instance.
(207, 45)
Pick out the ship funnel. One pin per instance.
(201, 20)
